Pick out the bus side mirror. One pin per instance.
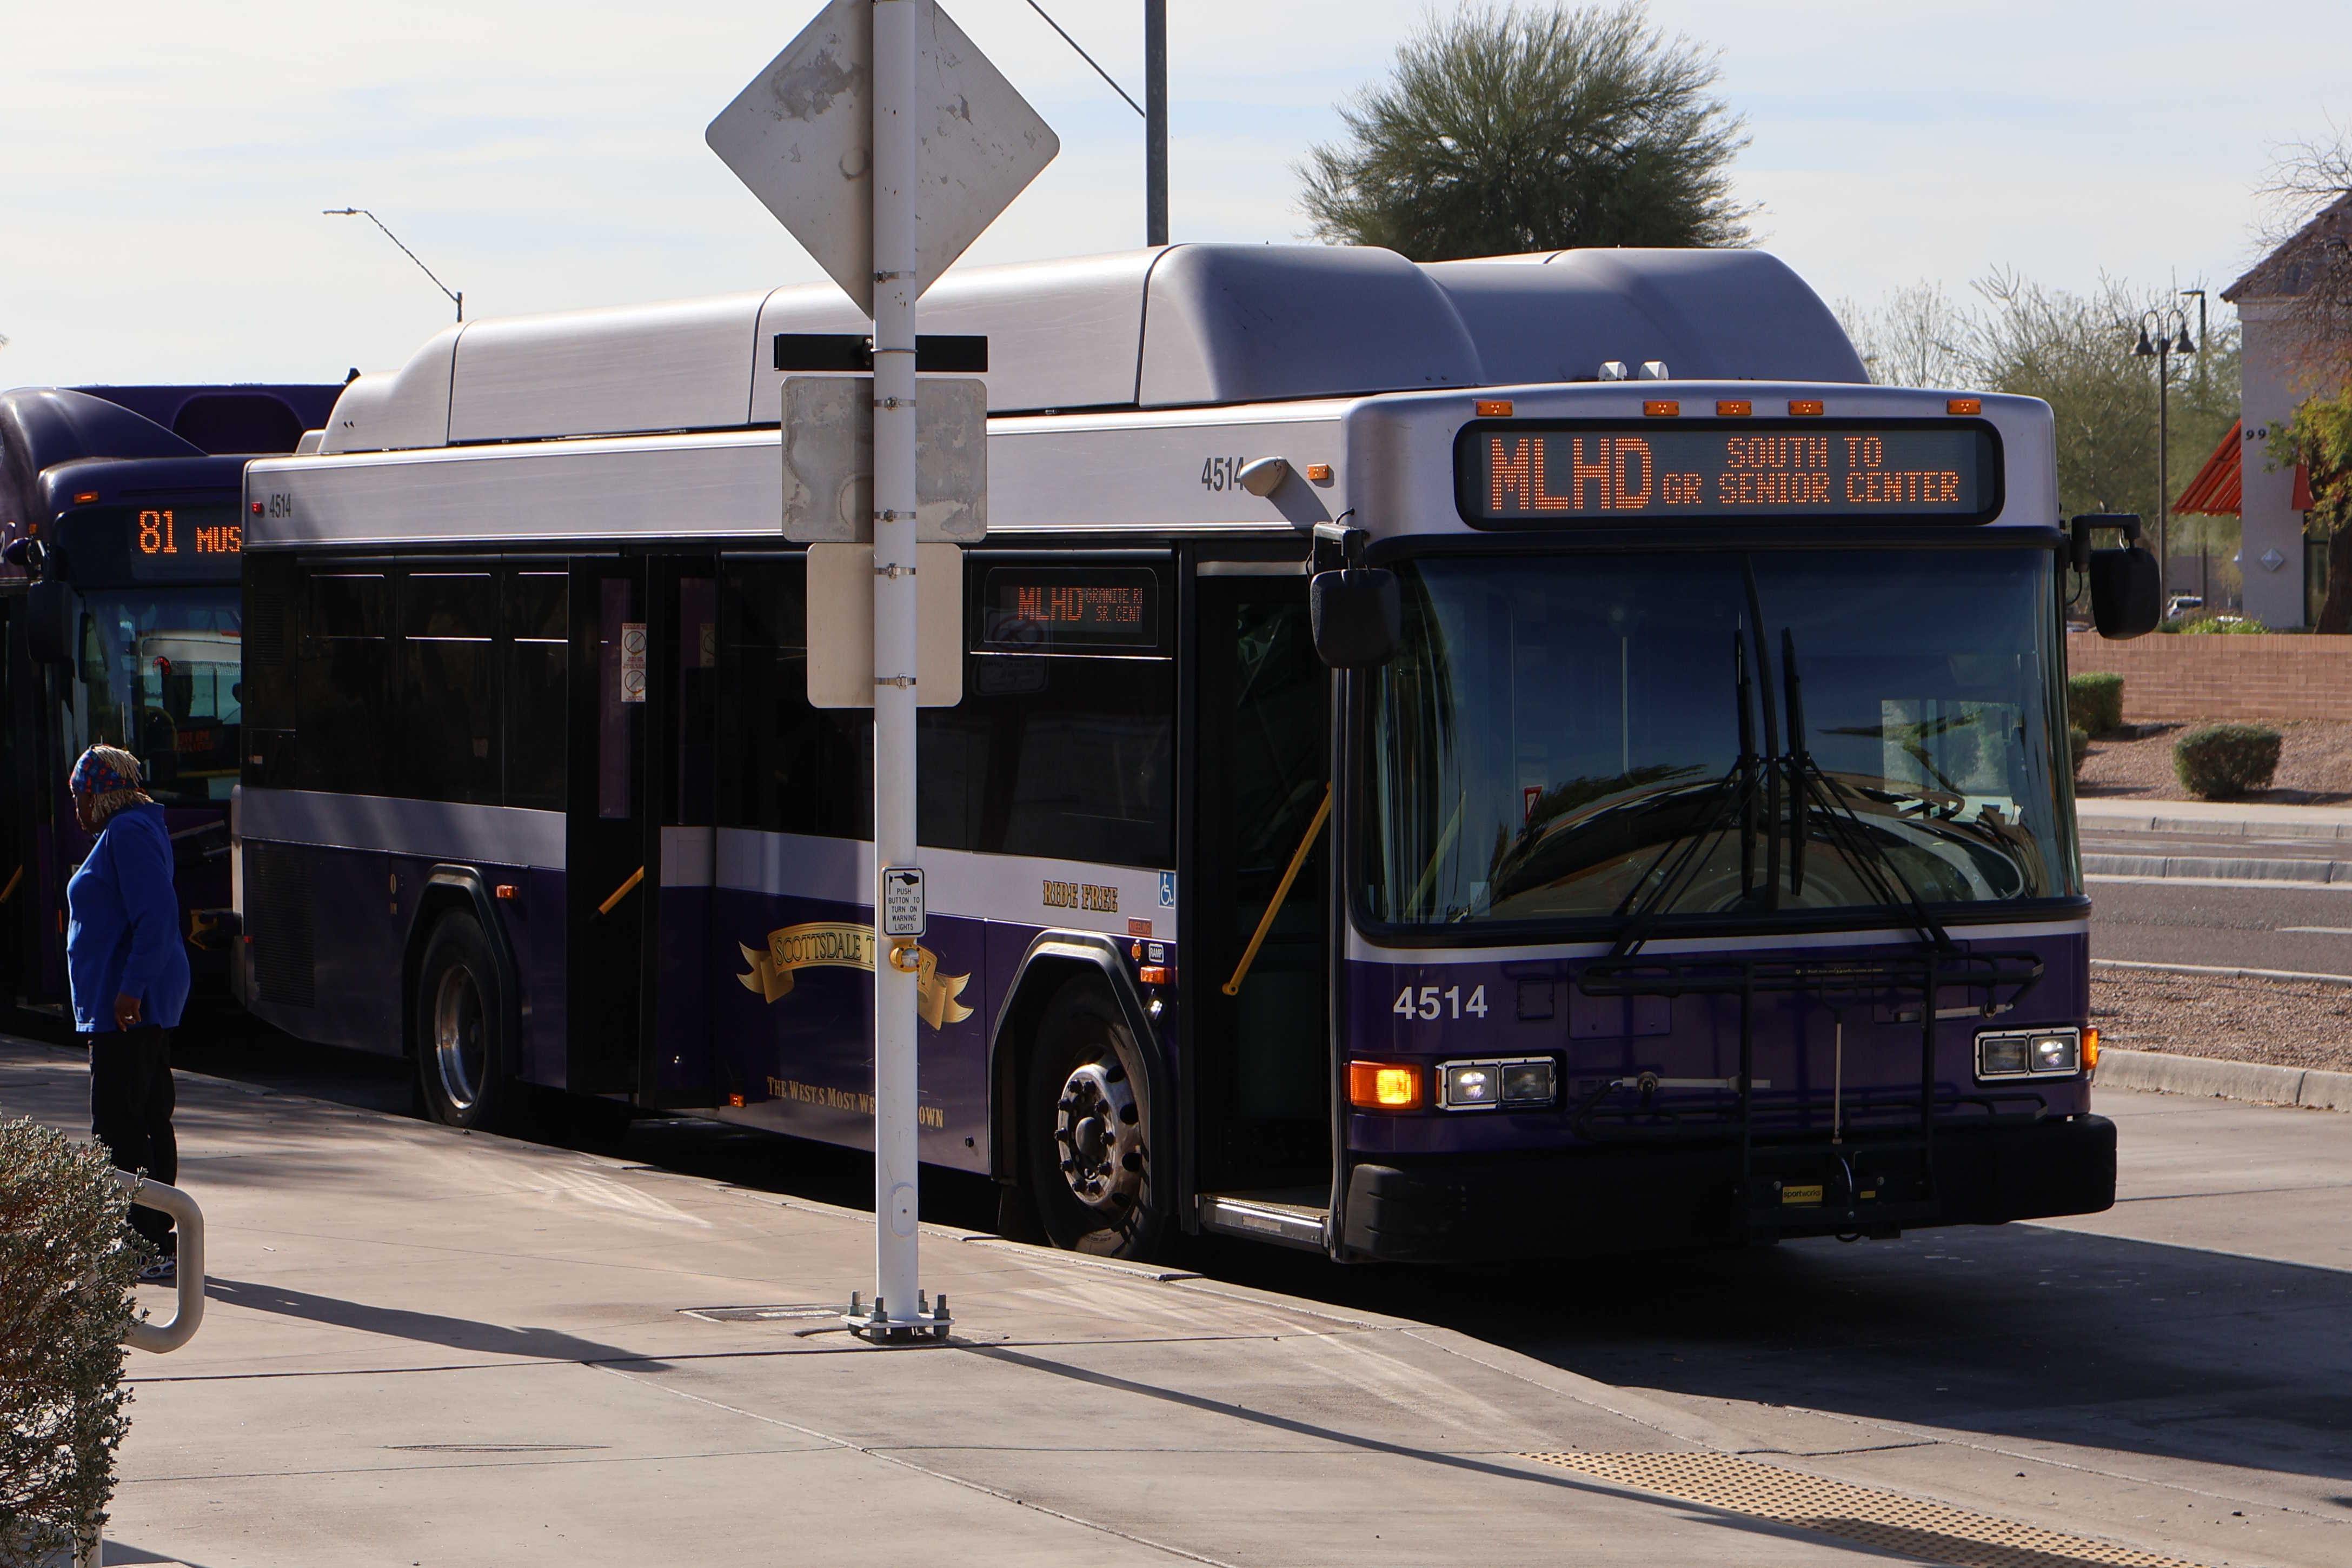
(49, 622)
(2127, 593)
(2126, 585)
(1356, 614)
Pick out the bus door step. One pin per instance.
(1287, 1216)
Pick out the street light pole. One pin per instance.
(2204, 551)
(1154, 108)
(457, 297)
(1155, 121)
(2163, 348)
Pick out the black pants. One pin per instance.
(131, 1112)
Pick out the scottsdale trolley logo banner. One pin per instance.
(839, 946)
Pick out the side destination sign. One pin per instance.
(1542, 474)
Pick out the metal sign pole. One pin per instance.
(896, 1293)
(833, 136)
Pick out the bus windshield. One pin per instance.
(158, 675)
(1554, 734)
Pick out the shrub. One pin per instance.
(66, 1298)
(2078, 742)
(2095, 701)
(2223, 762)
(2221, 625)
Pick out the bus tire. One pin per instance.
(464, 1064)
(1086, 1129)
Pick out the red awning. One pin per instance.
(2215, 491)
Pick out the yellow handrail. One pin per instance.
(621, 891)
(1281, 892)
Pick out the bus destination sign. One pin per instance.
(170, 541)
(1050, 609)
(1519, 474)
(161, 533)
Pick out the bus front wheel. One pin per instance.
(462, 1060)
(1088, 1129)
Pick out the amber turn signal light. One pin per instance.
(509, 890)
(2090, 1049)
(1383, 1086)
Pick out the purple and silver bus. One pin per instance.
(1486, 758)
(118, 602)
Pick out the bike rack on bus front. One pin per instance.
(2002, 978)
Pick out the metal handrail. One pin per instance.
(188, 1309)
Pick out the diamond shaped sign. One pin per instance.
(801, 136)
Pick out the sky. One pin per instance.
(163, 166)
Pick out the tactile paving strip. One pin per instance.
(1887, 1521)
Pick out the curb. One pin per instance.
(2214, 827)
(2160, 1073)
(2322, 873)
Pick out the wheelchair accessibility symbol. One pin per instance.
(1167, 889)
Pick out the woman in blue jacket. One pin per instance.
(129, 976)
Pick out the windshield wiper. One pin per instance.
(1735, 795)
(1807, 783)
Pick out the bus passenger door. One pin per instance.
(605, 869)
(681, 777)
(1260, 776)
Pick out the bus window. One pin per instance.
(342, 685)
(537, 619)
(1064, 757)
(159, 675)
(783, 766)
(449, 695)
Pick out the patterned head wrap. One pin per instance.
(108, 778)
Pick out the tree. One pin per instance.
(2320, 434)
(1511, 130)
(2307, 230)
(1918, 338)
(2075, 352)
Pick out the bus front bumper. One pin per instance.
(1631, 1197)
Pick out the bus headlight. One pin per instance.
(2030, 1052)
(1524, 1083)
(1472, 1086)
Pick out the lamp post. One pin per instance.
(1154, 110)
(457, 297)
(2167, 343)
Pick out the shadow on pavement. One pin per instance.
(2019, 1333)
(424, 1328)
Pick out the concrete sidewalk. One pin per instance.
(426, 1347)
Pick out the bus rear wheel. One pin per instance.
(463, 1064)
(1088, 1129)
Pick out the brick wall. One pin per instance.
(2175, 676)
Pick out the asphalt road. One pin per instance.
(2249, 925)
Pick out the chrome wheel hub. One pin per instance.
(1098, 1130)
(460, 1052)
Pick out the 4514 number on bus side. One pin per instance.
(1429, 1003)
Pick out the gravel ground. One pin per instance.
(2277, 1022)
(2314, 763)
